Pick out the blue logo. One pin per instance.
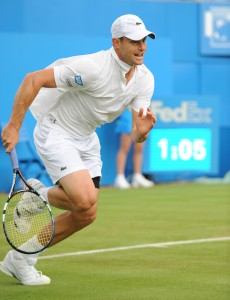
(78, 80)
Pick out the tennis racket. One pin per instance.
(27, 218)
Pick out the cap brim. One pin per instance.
(137, 36)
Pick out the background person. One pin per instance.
(124, 129)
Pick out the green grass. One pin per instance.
(141, 216)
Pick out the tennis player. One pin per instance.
(70, 99)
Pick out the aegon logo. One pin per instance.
(187, 112)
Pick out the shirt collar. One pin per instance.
(124, 66)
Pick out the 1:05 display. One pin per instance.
(186, 149)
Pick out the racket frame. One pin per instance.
(17, 172)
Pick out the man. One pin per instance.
(70, 99)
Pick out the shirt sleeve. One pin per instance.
(143, 99)
(79, 74)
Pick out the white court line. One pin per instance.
(155, 245)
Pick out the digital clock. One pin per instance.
(180, 149)
(185, 138)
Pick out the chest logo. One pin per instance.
(78, 80)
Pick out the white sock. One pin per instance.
(44, 193)
(31, 244)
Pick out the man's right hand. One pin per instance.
(10, 136)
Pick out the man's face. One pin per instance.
(129, 51)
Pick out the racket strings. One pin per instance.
(27, 215)
(29, 204)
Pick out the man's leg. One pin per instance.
(78, 195)
(138, 180)
(81, 201)
(137, 157)
(125, 144)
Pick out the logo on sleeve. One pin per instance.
(78, 80)
(68, 82)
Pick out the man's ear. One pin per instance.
(116, 43)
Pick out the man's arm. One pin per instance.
(142, 124)
(25, 95)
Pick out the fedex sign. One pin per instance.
(186, 111)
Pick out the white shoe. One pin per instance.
(27, 207)
(21, 270)
(121, 182)
(139, 180)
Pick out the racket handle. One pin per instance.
(14, 159)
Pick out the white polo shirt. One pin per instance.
(91, 90)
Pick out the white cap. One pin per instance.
(131, 27)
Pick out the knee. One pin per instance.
(91, 218)
(84, 218)
(84, 203)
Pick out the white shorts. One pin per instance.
(63, 154)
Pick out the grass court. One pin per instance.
(169, 242)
